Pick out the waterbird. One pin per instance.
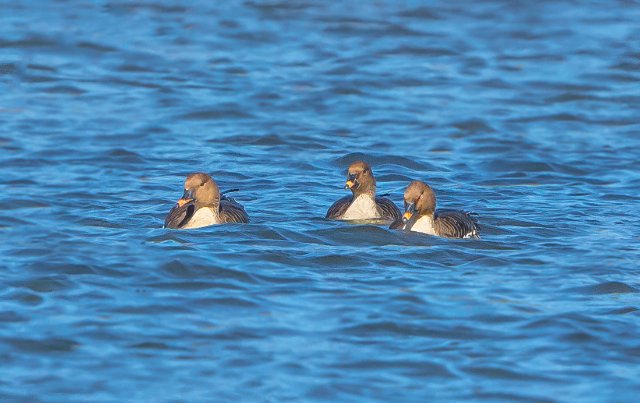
(202, 205)
(420, 215)
(363, 203)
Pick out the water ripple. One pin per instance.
(526, 114)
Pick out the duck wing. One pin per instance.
(456, 224)
(397, 224)
(231, 211)
(338, 208)
(179, 216)
(388, 210)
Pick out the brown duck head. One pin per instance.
(419, 199)
(360, 179)
(200, 189)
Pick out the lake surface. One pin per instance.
(527, 113)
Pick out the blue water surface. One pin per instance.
(527, 113)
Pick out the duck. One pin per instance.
(420, 215)
(363, 203)
(202, 205)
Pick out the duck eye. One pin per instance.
(202, 184)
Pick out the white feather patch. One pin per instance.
(362, 208)
(424, 224)
(203, 217)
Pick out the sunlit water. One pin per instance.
(524, 112)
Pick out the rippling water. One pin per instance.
(524, 112)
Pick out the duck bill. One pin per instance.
(408, 213)
(187, 197)
(352, 183)
(184, 201)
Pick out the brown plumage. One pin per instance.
(202, 205)
(363, 203)
(421, 215)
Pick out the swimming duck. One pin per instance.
(363, 203)
(421, 216)
(202, 205)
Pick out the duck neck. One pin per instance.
(214, 207)
(431, 215)
(366, 191)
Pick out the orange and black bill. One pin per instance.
(187, 197)
(351, 182)
(408, 212)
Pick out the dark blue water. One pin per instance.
(527, 113)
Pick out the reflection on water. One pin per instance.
(524, 113)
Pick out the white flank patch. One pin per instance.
(201, 218)
(472, 234)
(424, 225)
(363, 208)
